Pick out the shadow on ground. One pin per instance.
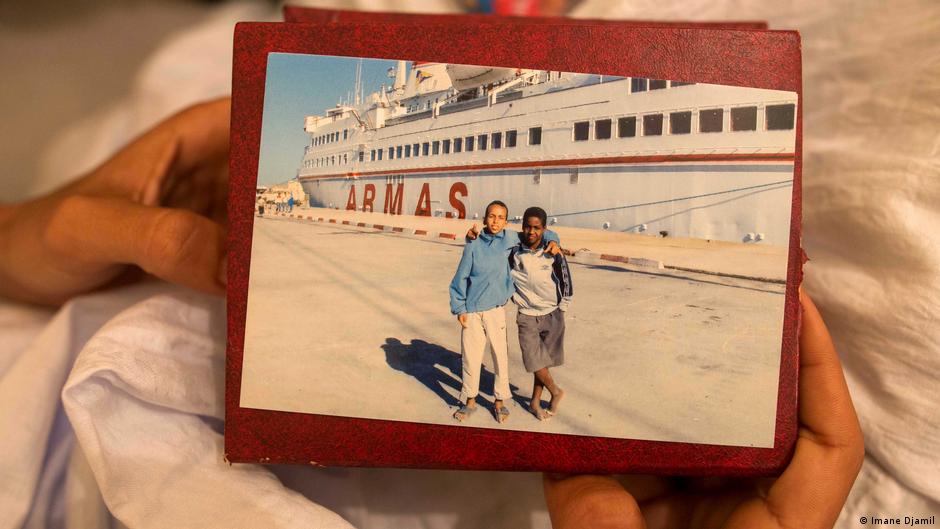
(439, 368)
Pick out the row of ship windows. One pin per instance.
(323, 139)
(480, 142)
(777, 117)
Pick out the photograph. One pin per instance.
(520, 249)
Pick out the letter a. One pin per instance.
(424, 202)
(351, 203)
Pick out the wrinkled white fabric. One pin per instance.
(134, 439)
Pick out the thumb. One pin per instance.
(590, 501)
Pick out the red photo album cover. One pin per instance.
(512, 244)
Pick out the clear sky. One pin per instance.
(304, 85)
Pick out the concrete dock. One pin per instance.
(351, 318)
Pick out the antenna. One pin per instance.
(359, 82)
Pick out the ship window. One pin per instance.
(408, 151)
(653, 125)
(458, 145)
(345, 158)
(582, 130)
(535, 136)
(362, 156)
(679, 83)
(626, 127)
(333, 160)
(481, 141)
(446, 145)
(380, 154)
(510, 138)
(435, 148)
(657, 84)
(711, 120)
(399, 151)
(680, 122)
(372, 156)
(345, 134)
(744, 118)
(638, 84)
(469, 144)
(391, 153)
(780, 117)
(602, 129)
(414, 148)
(497, 140)
(425, 149)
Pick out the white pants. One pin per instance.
(482, 327)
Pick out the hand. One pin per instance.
(553, 248)
(462, 319)
(159, 204)
(473, 232)
(809, 494)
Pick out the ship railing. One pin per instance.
(506, 86)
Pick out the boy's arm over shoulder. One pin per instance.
(551, 236)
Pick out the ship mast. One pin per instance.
(358, 82)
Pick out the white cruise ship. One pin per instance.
(637, 155)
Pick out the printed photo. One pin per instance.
(518, 249)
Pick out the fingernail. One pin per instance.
(223, 271)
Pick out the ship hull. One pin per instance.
(736, 200)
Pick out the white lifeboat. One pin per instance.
(464, 77)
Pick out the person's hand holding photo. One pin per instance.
(808, 495)
(159, 204)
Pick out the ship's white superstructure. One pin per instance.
(626, 154)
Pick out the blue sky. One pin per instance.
(302, 85)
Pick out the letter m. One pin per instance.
(393, 204)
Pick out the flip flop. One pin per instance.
(464, 411)
(502, 414)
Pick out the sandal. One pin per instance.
(502, 413)
(464, 413)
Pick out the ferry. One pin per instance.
(659, 157)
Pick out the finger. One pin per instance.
(195, 140)
(826, 409)
(203, 133)
(590, 501)
(829, 450)
(175, 245)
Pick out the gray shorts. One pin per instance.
(542, 340)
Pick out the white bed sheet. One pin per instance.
(108, 419)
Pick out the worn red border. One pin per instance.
(763, 59)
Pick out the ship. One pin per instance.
(665, 158)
